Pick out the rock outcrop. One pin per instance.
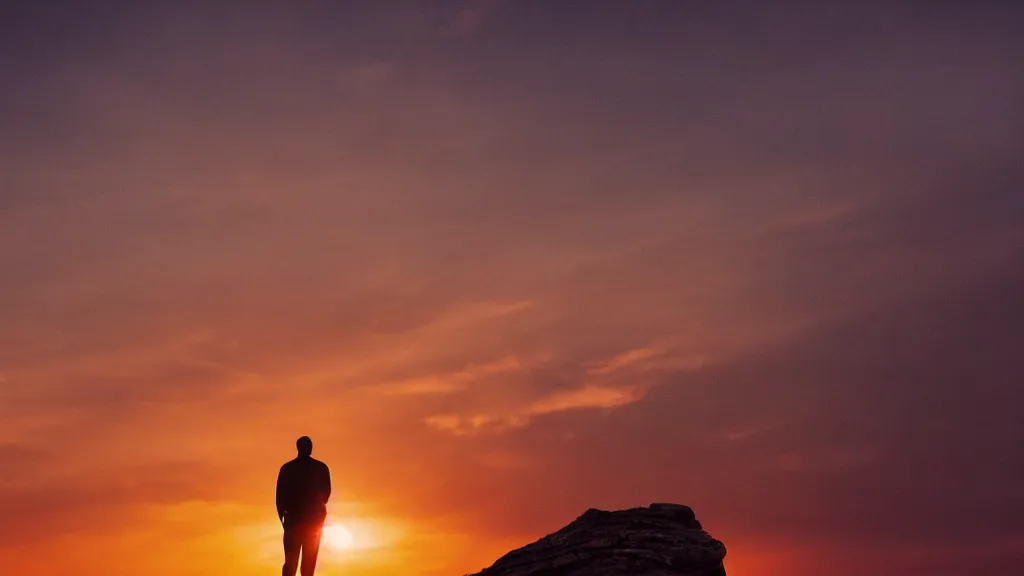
(660, 540)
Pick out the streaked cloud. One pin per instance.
(622, 360)
(584, 398)
(460, 425)
(451, 382)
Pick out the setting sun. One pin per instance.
(338, 537)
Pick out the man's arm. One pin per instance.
(280, 497)
(327, 484)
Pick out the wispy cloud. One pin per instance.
(606, 384)
(461, 425)
(451, 382)
(623, 360)
(591, 397)
(586, 397)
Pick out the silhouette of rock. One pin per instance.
(660, 540)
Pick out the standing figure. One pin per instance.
(303, 488)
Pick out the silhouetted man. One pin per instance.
(303, 488)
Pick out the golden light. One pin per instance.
(338, 537)
(356, 541)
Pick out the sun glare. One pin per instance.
(344, 540)
(338, 537)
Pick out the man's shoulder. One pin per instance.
(302, 465)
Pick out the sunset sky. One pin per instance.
(506, 261)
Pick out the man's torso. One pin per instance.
(304, 483)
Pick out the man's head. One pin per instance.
(304, 445)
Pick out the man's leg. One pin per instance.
(310, 548)
(292, 545)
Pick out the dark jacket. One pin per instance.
(303, 488)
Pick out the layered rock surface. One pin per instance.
(660, 540)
